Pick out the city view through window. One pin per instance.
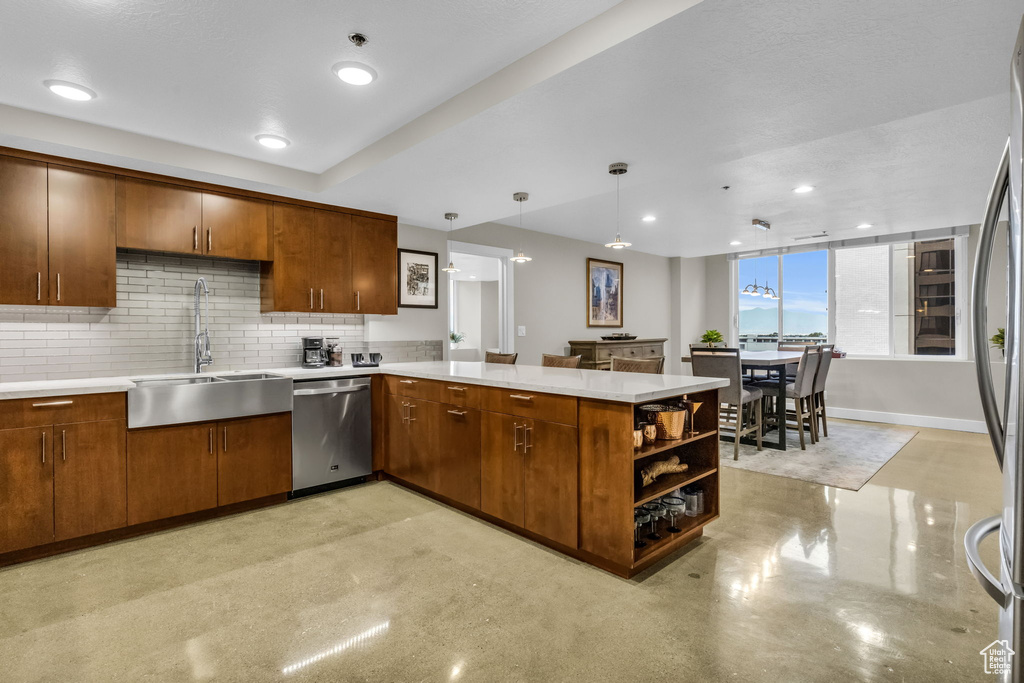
(803, 298)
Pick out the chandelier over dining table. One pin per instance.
(755, 289)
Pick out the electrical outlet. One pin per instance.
(522, 330)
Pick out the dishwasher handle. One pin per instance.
(331, 390)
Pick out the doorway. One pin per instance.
(480, 302)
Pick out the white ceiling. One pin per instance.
(895, 111)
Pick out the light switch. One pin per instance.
(522, 330)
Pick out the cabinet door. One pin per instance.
(552, 476)
(334, 263)
(158, 216)
(254, 458)
(287, 283)
(459, 455)
(23, 277)
(413, 427)
(26, 488)
(399, 460)
(236, 227)
(82, 238)
(501, 467)
(89, 479)
(375, 265)
(171, 471)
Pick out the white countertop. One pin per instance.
(624, 387)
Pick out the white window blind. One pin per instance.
(862, 300)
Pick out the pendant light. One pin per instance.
(520, 257)
(451, 265)
(755, 289)
(616, 170)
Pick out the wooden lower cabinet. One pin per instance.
(529, 475)
(413, 440)
(254, 458)
(26, 488)
(458, 455)
(89, 480)
(171, 471)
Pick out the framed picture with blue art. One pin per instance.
(604, 293)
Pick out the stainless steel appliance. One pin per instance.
(179, 400)
(314, 352)
(1008, 588)
(331, 438)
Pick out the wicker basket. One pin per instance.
(670, 420)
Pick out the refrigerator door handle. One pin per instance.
(979, 304)
(972, 539)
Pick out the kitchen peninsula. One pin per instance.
(545, 452)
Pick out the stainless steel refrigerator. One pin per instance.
(1008, 588)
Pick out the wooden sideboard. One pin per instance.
(597, 354)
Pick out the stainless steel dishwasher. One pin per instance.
(331, 437)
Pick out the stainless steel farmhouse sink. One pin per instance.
(179, 400)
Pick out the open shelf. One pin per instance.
(670, 482)
(669, 540)
(660, 446)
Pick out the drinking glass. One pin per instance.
(675, 506)
(640, 517)
(657, 511)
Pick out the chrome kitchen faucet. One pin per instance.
(202, 338)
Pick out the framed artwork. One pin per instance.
(417, 279)
(604, 293)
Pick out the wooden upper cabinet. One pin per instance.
(89, 481)
(24, 276)
(254, 458)
(287, 283)
(236, 227)
(333, 272)
(374, 245)
(26, 488)
(158, 216)
(82, 238)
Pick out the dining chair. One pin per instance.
(795, 346)
(744, 402)
(550, 360)
(506, 358)
(801, 390)
(818, 399)
(653, 366)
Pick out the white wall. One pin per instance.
(551, 290)
(467, 318)
(489, 337)
(689, 309)
(412, 324)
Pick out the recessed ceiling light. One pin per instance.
(864, 226)
(735, 243)
(648, 219)
(803, 189)
(71, 91)
(354, 73)
(273, 141)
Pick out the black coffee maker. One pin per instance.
(314, 352)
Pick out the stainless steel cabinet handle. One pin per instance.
(411, 418)
(456, 388)
(321, 299)
(405, 412)
(52, 403)
(527, 438)
(358, 302)
(58, 286)
(407, 381)
(460, 413)
(209, 239)
(979, 305)
(195, 237)
(44, 448)
(225, 439)
(521, 397)
(211, 440)
(972, 539)
(515, 437)
(64, 445)
(311, 298)
(39, 286)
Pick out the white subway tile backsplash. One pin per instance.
(151, 329)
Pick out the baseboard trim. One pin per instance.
(975, 426)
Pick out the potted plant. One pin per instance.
(711, 337)
(456, 338)
(998, 341)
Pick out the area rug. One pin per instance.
(847, 459)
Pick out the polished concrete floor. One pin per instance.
(795, 582)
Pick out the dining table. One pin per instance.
(770, 360)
